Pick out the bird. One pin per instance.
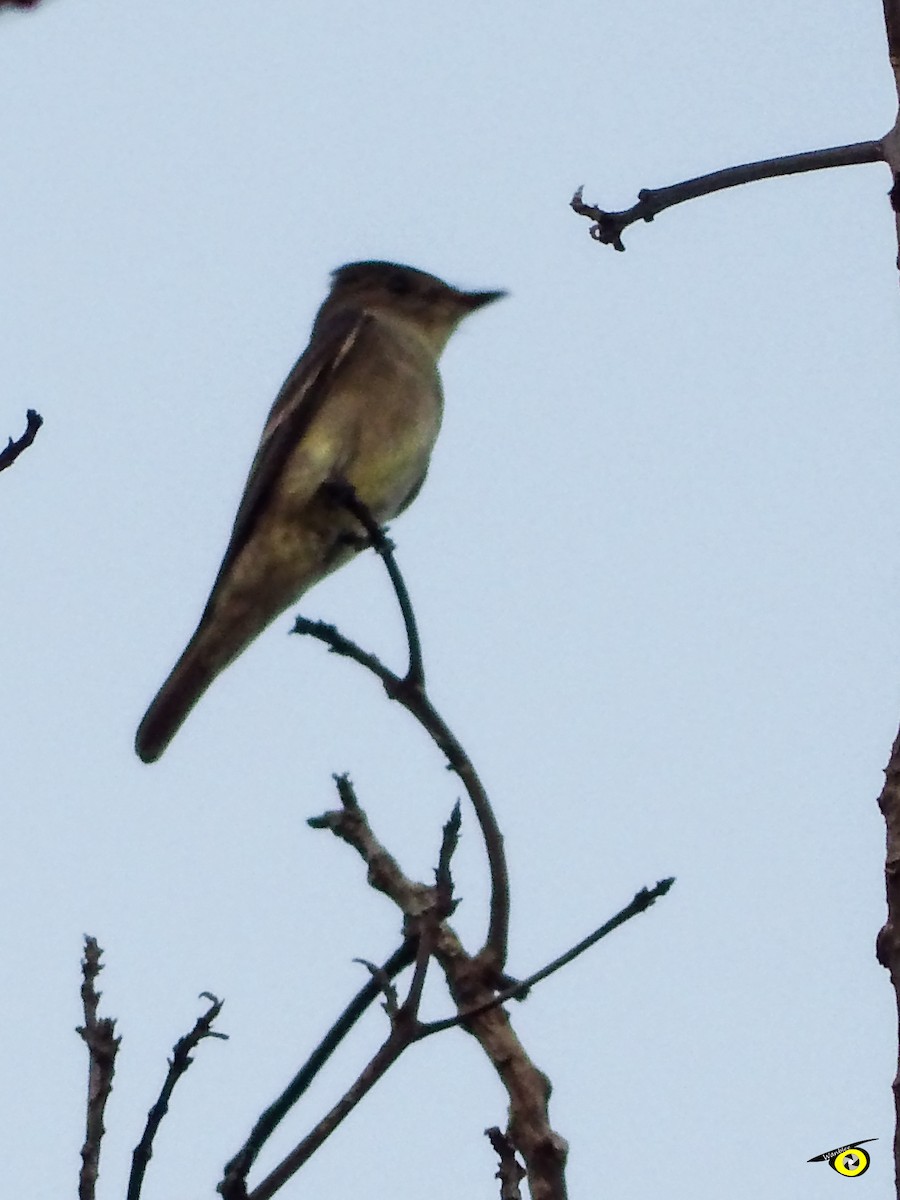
(361, 408)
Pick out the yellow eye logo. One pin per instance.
(851, 1162)
(847, 1160)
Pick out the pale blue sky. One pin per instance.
(655, 565)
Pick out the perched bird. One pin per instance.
(362, 406)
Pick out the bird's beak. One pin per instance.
(473, 300)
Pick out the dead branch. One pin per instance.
(233, 1186)
(424, 911)
(521, 988)
(178, 1064)
(887, 946)
(608, 227)
(98, 1034)
(33, 422)
(409, 691)
(510, 1172)
(477, 984)
(542, 1149)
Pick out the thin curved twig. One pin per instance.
(608, 227)
(410, 693)
(416, 702)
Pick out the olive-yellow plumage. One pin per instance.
(362, 406)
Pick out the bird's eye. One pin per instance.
(399, 284)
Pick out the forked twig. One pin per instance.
(608, 227)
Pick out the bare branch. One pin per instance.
(349, 823)
(518, 990)
(385, 1057)
(409, 1011)
(411, 695)
(510, 1171)
(430, 922)
(443, 881)
(888, 942)
(472, 988)
(33, 422)
(178, 1064)
(232, 1186)
(892, 140)
(98, 1034)
(608, 227)
(892, 28)
(416, 901)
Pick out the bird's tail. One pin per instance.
(190, 678)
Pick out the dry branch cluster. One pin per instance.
(477, 982)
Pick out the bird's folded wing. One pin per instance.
(301, 398)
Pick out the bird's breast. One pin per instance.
(395, 433)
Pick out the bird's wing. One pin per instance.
(301, 398)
